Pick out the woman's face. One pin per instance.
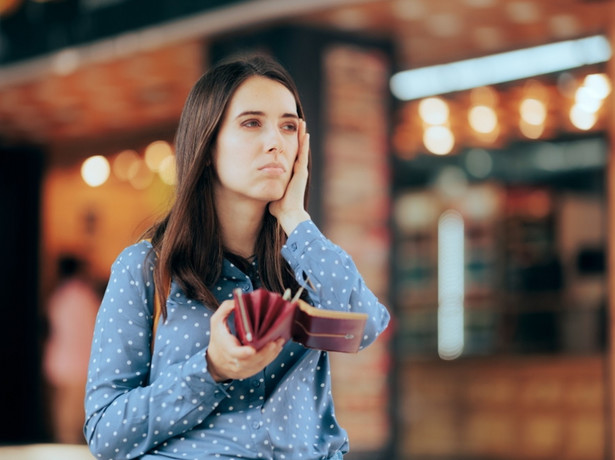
(257, 143)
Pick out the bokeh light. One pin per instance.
(439, 140)
(95, 170)
(168, 171)
(122, 164)
(434, 111)
(155, 153)
(483, 119)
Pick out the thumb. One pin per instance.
(223, 312)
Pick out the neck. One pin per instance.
(240, 224)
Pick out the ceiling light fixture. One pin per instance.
(500, 68)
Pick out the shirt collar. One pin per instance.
(231, 272)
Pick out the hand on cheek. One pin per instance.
(289, 210)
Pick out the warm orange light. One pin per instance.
(123, 162)
(533, 111)
(533, 115)
(587, 99)
(581, 118)
(95, 170)
(439, 140)
(9, 6)
(167, 170)
(434, 111)
(530, 130)
(485, 95)
(155, 153)
(140, 175)
(599, 84)
(483, 119)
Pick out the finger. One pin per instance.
(300, 169)
(244, 366)
(305, 149)
(224, 310)
(304, 145)
(243, 352)
(270, 351)
(231, 343)
(220, 316)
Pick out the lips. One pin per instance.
(274, 168)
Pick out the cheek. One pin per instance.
(222, 162)
(225, 153)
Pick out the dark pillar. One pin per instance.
(22, 418)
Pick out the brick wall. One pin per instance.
(356, 211)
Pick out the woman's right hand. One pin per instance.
(289, 210)
(227, 358)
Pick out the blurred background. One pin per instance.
(461, 156)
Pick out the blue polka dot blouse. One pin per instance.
(164, 404)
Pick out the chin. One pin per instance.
(272, 195)
(273, 198)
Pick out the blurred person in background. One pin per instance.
(239, 220)
(71, 314)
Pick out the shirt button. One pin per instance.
(256, 383)
(245, 288)
(256, 425)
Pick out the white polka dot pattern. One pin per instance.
(166, 405)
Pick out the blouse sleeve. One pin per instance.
(334, 281)
(126, 415)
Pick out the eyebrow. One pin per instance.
(260, 113)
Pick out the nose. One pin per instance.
(274, 141)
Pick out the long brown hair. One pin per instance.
(188, 241)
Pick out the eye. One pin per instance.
(251, 123)
(290, 126)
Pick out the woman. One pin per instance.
(238, 220)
